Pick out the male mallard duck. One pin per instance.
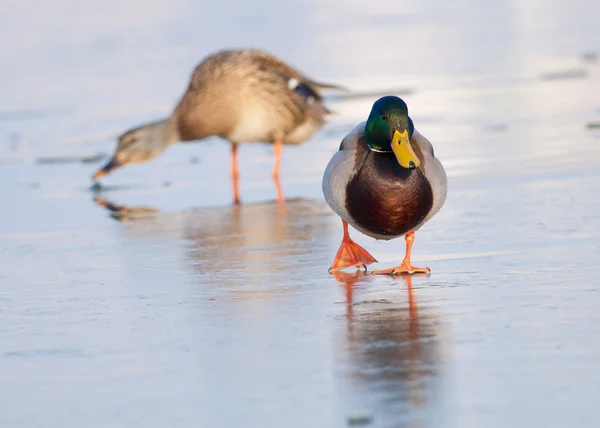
(240, 95)
(386, 182)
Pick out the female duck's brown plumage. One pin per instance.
(385, 181)
(239, 95)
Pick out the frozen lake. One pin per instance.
(157, 303)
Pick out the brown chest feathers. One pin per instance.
(385, 198)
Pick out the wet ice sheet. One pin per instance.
(180, 316)
(191, 312)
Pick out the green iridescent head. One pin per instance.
(389, 129)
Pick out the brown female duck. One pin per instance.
(239, 95)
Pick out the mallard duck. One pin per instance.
(242, 96)
(386, 182)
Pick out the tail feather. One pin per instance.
(319, 85)
(328, 111)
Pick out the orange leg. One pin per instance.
(405, 266)
(277, 148)
(351, 254)
(235, 173)
(280, 197)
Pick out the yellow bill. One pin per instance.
(403, 151)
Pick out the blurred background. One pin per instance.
(155, 302)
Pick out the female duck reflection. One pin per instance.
(394, 349)
(246, 242)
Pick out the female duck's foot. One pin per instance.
(236, 191)
(351, 254)
(280, 197)
(402, 268)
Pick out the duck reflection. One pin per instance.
(260, 244)
(392, 350)
(124, 213)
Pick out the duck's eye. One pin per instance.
(384, 117)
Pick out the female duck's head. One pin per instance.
(389, 129)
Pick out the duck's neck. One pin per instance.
(163, 130)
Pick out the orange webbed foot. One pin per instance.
(351, 254)
(402, 269)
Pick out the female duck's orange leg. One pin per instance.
(235, 174)
(405, 266)
(351, 254)
(277, 148)
(280, 197)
